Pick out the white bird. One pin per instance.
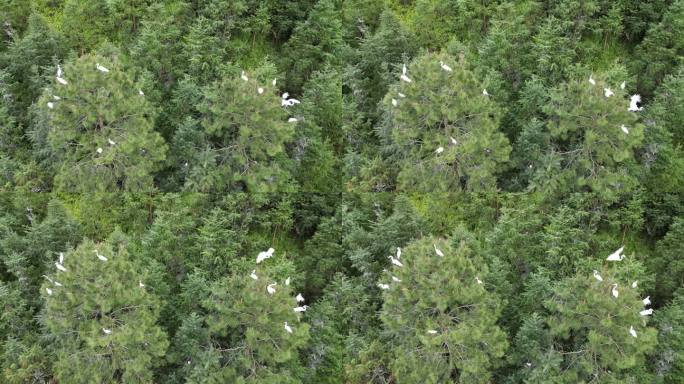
(140, 92)
(61, 257)
(288, 328)
(274, 82)
(253, 275)
(106, 331)
(48, 290)
(614, 291)
(617, 255)
(632, 331)
(59, 71)
(60, 267)
(622, 86)
(394, 102)
(444, 66)
(528, 364)
(646, 312)
(405, 78)
(395, 261)
(438, 251)
(289, 102)
(140, 284)
(607, 92)
(292, 120)
(597, 276)
(101, 68)
(111, 142)
(265, 255)
(99, 150)
(398, 253)
(478, 280)
(50, 105)
(301, 309)
(383, 286)
(647, 300)
(403, 69)
(270, 289)
(57, 283)
(260, 90)
(61, 80)
(432, 331)
(591, 80)
(285, 95)
(633, 107)
(624, 129)
(299, 298)
(484, 92)
(396, 279)
(101, 257)
(453, 141)
(56, 97)
(634, 284)
(287, 281)
(243, 76)
(439, 150)
(401, 94)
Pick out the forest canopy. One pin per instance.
(341, 191)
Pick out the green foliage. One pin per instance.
(441, 294)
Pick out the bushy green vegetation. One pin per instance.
(438, 184)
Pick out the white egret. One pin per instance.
(444, 66)
(60, 267)
(107, 331)
(285, 95)
(478, 280)
(614, 291)
(57, 283)
(140, 284)
(591, 80)
(140, 92)
(253, 275)
(395, 261)
(438, 251)
(101, 68)
(622, 86)
(401, 94)
(646, 312)
(274, 82)
(243, 76)
(59, 71)
(633, 107)
(439, 150)
(292, 120)
(528, 364)
(398, 253)
(632, 331)
(484, 92)
(453, 141)
(299, 298)
(48, 290)
(432, 331)
(270, 289)
(403, 69)
(61, 257)
(265, 255)
(405, 78)
(647, 300)
(394, 102)
(50, 104)
(288, 328)
(57, 98)
(99, 150)
(111, 142)
(287, 281)
(617, 255)
(101, 257)
(301, 309)
(597, 276)
(383, 286)
(61, 81)
(396, 279)
(260, 90)
(607, 92)
(624, 129)
(634, 284)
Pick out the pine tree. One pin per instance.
(100, 129)
(102, 321)
(439, 321)
(445, 110)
